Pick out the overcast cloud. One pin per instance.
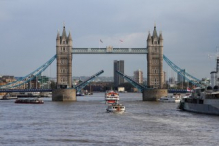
(29, 28)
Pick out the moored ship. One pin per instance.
(201, 101)
(111, 96)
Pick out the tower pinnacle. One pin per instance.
(155, 32)
(63, 32)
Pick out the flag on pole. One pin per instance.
(121, 40)
(101, 41)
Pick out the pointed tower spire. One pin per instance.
(69, 39)
(63, 32)
(149, 41)
(69, 36)
(58, 35)
(149, 35)
(161, 36)
(155, 31)
(58, 38)
(161, 39)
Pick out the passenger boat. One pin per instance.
(111, 96)
(116, 107)
(30, 101)
(201, 101)
(171, 98)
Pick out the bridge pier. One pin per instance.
(154, 94)
(64, 95)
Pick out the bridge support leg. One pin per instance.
(64, 95)
(153, 94)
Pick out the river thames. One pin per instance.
(86, 123)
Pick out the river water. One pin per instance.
(86, 123)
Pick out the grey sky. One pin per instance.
(28, 32)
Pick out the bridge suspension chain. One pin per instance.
(28, 77)
(178, 70)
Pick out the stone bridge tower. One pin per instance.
(155, 76)
(64, 60)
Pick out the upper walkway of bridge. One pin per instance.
(109, 50)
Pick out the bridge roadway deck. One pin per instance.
(25, 90)
(109, 50)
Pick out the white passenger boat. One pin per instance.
(116, 108)
(111, 96)
(201, 101)
(171, 98)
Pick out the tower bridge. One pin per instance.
(153, 51)
(65, 52)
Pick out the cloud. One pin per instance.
(28, 29)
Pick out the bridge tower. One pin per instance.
(155, 60)
(155, 77)
(64, 91)
(64, 60)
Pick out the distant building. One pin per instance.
(213, 78)
(215, 75)
(164, 77)
(180, 78)
(118, 66)
(172, 80)
(8, 79)
(138, 76)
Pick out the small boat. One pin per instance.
(116, 108)
(30, 101)
(171, 98)
(79, 94)
(111, 96)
